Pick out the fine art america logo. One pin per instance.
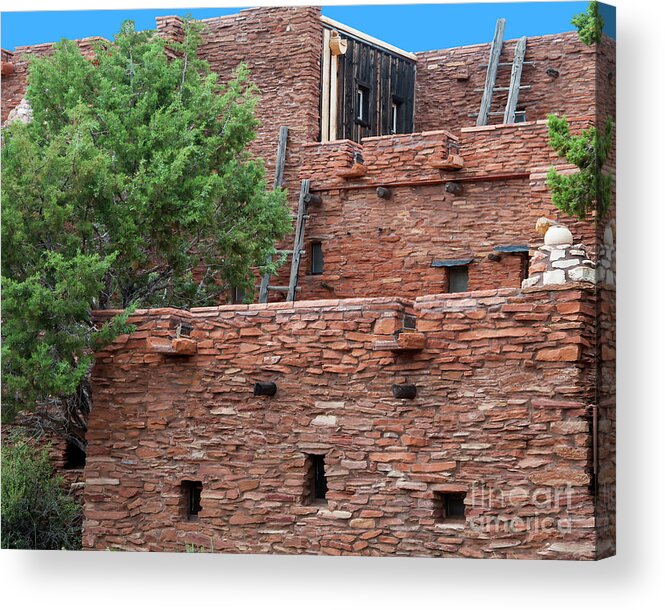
(519, 509)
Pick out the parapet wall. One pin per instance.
(374, 246)
(491, 152)
(505, 382)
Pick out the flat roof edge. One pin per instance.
(367, 38)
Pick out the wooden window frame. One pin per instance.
(363, 94)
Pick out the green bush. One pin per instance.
(589, 25)
(590, 188)
(36, 512)
(132, 185)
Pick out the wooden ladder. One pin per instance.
(515, 78)
(299, 240)
(296, 253)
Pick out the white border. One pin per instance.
(633, 579)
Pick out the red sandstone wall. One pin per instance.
(605, 93)
(282, 47)
(504, 385)
(606, 423)
(14, 85)
(606, 319)
(376, 247)
(450, 81)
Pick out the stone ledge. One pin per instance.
(404, 342)
(171, 347)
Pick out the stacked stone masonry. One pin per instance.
(558, 265)
(160, 420)
(566, 78)
(513, 383)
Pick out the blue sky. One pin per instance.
(412, 27)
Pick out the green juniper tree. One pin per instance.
(589, 24)
(590, 188)
(132, 186)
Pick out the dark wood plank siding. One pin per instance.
(386, 79)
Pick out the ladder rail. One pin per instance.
(277, 183)
(490, 77)
(515, 79)
(298, 241)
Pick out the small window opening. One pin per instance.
(362, 104)
(74, 456)
(449, 507)
(184, 329)
(524, 268)
(316, 484)
(191, 491)
(238, 295)
(316, 258)
(458, 279)
(394, 116)
(520, 114)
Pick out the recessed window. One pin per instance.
(362, 104)
(524, 267)
(458, 279)
(449, 507)
(74, 456)
(520, 114)
(396, 115)
(191, 492)
(316, 267)
(394, 112)
(238, 295)
(316, 485)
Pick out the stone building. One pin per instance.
(443, 383)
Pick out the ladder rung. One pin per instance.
(480, 89)
(305, 216)
(288, 252)
(501, 113)
(472, 114)
(510, 63)
(282, 288)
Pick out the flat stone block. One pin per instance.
(583, 274)
(554, 277)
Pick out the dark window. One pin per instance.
(458, 279)
(238, 295)
(191, 491)
(524, 269)
(520, 115)
(317, 258)
(74, 456)
(316, 485)
(449, 506)
(362, 105)
(394, 117)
